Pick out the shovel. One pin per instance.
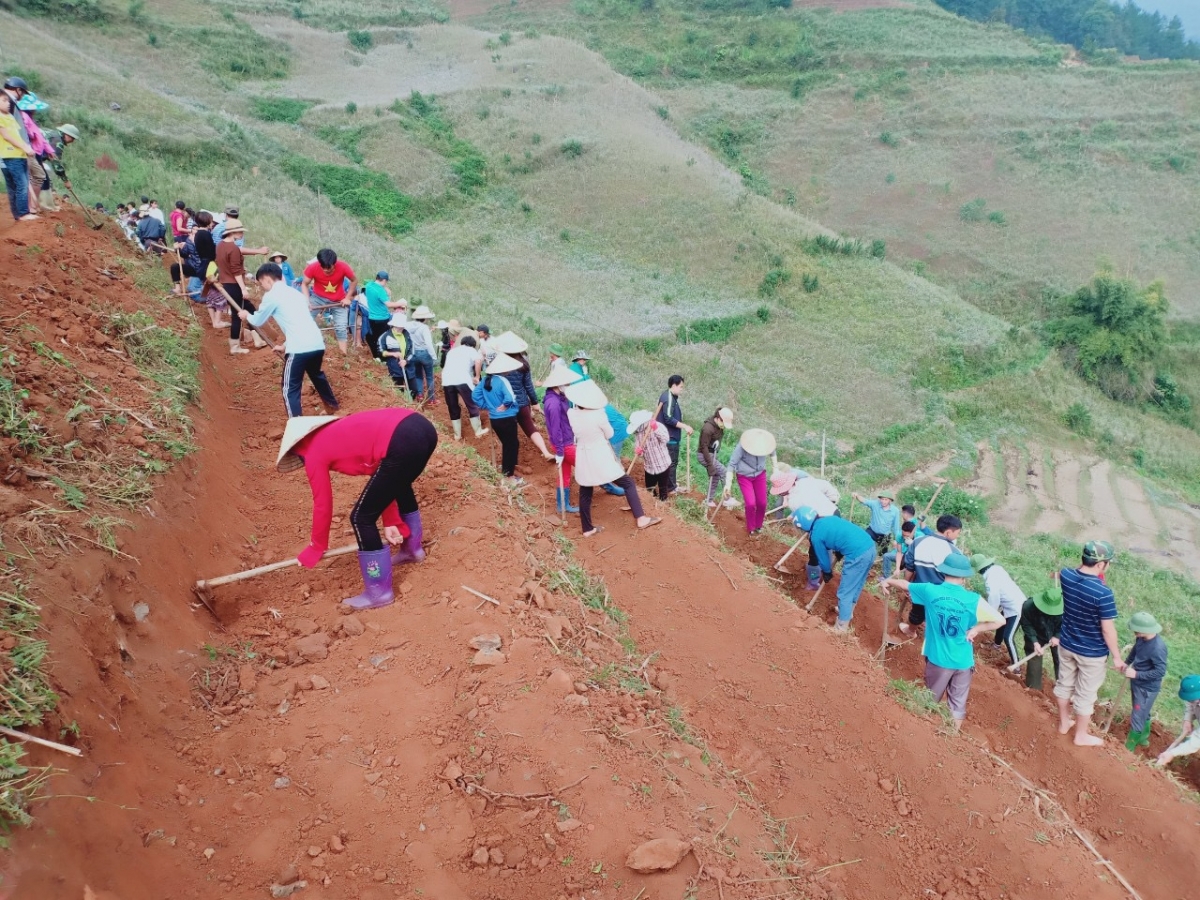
(94, 225)
(778, 567)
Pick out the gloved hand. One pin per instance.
(559, 460)
(310, 556)
(826, 577)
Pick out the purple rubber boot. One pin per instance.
(376, 566)
(411, 551)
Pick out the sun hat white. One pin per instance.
(586, 395)
(725, 414)
(758, 441)
(296, 430)
(639, 418)
(561, 377)
(442, 324)
(422, 312)
(508, 342)
(503, 363)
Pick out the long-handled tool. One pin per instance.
(562, 500)
(1112, 710)
(237, 309)
(94, 225)
(640, 443)
(778, 567)
(941, 483)
(205, 584)
(687, 461)
(1020, 662)
(816, 596)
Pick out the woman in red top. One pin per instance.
(179, 221)
(391, 446)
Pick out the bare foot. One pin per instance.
(1065, 725)
(1088, 740)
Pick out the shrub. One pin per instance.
(878, 248)
(951, 501)
(663, 112)
(505, 38)
(351, 108)
(279, 109)
(362, 41)
(572, 148)
(240, 53)
(773, 281)
(366, 195)
(889, 140)
(1078, 418)
(87, 11)
(715, 331)
(810, 281)
(996, 217)
(973, 210)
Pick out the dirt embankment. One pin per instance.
(371, 756)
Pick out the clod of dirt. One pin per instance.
(453, 771)
(566, 826)
(480, 856)
(141, 611)
(286, 890)
(320, 683)
(336, 845)
(247, 678)
(282, 782)
(312, 648)
(489, 658)
(659, 855)
(485, 642)
(559, 683)
(557, 626)
(289, 875)
(352, 626)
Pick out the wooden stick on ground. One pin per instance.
(723, 572)
(491, 600)
(272, 567)
(41, 742)
(779, 565)
(811, 603)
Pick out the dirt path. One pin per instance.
(1015, 507)
(1050, 519)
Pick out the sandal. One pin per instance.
(650, 524)
(595, 531)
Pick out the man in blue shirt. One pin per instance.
(378, 314)
(884, 527)
(1088, 637)
(954, 616)
(828, 535)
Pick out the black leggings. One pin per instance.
(234, 290)
(453, 394)
(631, 497)
(525, 420)
(379, 327)
(188, 272)
(412, 444)
(510, 443)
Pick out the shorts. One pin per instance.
(338, 313)
(1080, 680)
(37, 174)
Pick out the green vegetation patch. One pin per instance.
(279, 109)
(719, 330)
(346, 140)
(87, 11)
(371, 197)
(240, 52)
(424, 116)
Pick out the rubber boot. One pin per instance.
(480, 431)
(613, 489)
(457, 423)
(48, 202)
(563, 497)
(842, 626)
(235, 348)
(814, 577)
(411, 550)
(1033, 674)
(1138, 738)
(376, 566)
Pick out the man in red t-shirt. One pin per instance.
(333, 282)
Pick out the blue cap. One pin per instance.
(804, 517)
(381, 275)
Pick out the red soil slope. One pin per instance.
(394, 766)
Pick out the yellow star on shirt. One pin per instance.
(329, 288)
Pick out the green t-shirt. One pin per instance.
(950, 612)
(377, 298)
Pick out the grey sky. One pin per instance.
(1187, 10)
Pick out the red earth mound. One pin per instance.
(375, 756)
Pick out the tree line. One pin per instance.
(1088, 25)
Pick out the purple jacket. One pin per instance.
(555, 406)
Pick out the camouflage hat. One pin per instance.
(1098, 551)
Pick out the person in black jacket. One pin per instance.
(1145, 667)
(1041, 619)
(670, 413)
(150, 231)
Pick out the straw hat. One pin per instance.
(454, 325)
(561, 376)
(725, 414)
(234, 226)
(502, 364)
(508, 342)
(586, 395)
(758, 442)
(782, 481)
(639, 418)
(298, 429)
(276, 254)
(422, 313)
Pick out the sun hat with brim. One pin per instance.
(956, 566)
(979, 562)
(442, 325)
(31, 103)
(1049, 602)
(422, 312)
(886, 495)
(278, 254)
(758, 442)
(725, 414)
(586, 395)
(557, 350)
(639, 418)
(296, 430)
(508, 342)
(561, 377)
(1189, 688)
(782, 482)
(1144, 623)
(502, 364)
(234, 226)
(580, 355)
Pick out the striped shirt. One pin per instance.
(1087, 601)
(926, 554)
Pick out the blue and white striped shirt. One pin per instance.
(1087, 601)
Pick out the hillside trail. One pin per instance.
(371, 756)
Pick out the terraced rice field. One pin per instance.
(1051, 490)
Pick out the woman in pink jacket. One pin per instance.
(392, 447)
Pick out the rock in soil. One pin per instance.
(658, 855)
(485, 642)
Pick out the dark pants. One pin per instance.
(234, 290)
(398, 371)
(16, 180)
(1143, 702)
(457, 392)
(510, 443)
(882, 541)
(656, 484)
(525, 420)
(631, 497)
(188, 272)
(1033, 668)
(1007, 635)
(670, 477)
(378, 328)
(295, 367)
(412, 444)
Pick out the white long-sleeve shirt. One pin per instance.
(1003, 594)
(815, 492)
(289, 308)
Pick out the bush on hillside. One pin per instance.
(240, 53)
(366, 195)
(719, 330)
(362, 41)
(279, 109)
(88, 11)
(951, 501)
(773, 281)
